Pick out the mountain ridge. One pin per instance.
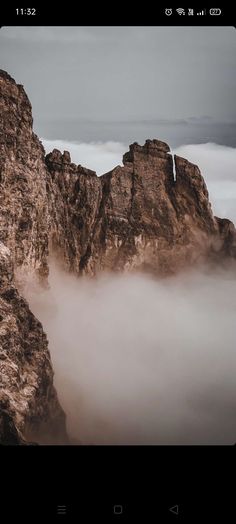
(136, 217)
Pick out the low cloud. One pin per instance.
(142, 361)
(99, 156)
(215, 161)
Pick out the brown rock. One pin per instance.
(29, 408)
(23, 198)
(136, 217)
(74, 195)
(226, 241)
(28, 401)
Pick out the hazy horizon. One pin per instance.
(127, 84)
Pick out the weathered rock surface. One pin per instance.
(23, 200)
(74, 194)
(137, 217)
(29, 408)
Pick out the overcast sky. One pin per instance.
(123, 73)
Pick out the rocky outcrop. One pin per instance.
(23, 200)
(74, 195)
(227, 235)
(136, 217)
(29, 408)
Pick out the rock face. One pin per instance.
(227, 234)
(29, 408)
(137, 217)
(74, 194)
(23, 200)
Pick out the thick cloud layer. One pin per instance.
(100, 156)
(216, 162)
(141, 361)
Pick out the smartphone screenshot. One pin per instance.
(118, 265)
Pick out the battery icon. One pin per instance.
(215, 11)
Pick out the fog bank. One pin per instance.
(141, 361)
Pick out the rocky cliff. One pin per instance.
(29, 408)
(23, 200)
(137, 217)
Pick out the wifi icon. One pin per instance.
(180, 11)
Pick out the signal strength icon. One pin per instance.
(203, 12)
(180, 11)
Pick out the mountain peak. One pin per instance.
(154, 147)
